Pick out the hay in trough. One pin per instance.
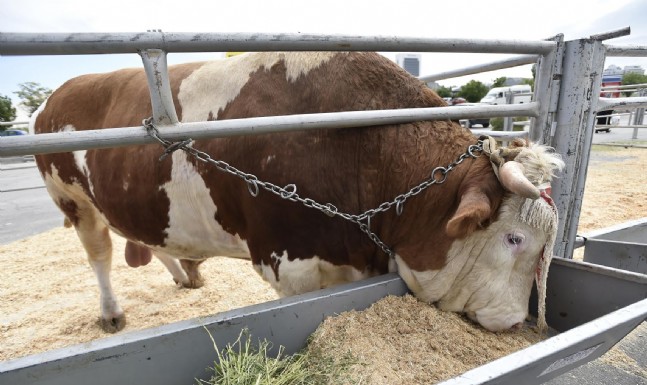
(400, 340)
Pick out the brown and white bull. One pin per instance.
(469, 244)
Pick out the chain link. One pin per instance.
(289, 192)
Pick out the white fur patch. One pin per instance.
(304, 275)
(59, 190)
(32, 119)
(214, 85)
(79, 158)
(539, 163)
(193, 231)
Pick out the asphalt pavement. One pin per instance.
(621, 134)
(25, 206)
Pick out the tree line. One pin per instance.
(31, 95)
(474, 90)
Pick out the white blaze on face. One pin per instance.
(489, 273)
(193, 230)
(214, 85)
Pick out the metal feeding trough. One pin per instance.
(592, 306)
(623, 246)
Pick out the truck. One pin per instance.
(498, 95)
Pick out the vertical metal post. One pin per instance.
(637, 121)
(507, 121)
(548, 74)
(575, 119)
(159, 86)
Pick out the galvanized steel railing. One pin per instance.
(98, 43)
(153, 47)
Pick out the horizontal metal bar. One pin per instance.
(632, 102)
(12, 123)
(102, 43)
(580, 241)
(501, 135)
(625, 87)
(620, 126)
(626, 50)
(117, 137)
(612, 34)
(497, 65)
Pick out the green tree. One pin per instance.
(473, 91)
(7, 111)
(32, 95)
(528, 81)
(633, 78)
(444, 92)
(499, 82)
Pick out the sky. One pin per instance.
(501, 19)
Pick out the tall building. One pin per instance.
(410, 63)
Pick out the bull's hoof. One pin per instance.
(193, 283)
(113, 324)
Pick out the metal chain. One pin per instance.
(438, 176)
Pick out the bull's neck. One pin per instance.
(418, 233)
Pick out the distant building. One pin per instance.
(634, 70)
(410, 63)
(614, 70)
(611, 81)
(433, 85)
(612, 76)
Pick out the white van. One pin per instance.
(498, 95)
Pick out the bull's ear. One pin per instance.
(473, 211)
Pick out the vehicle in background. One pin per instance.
(498, 95)
(468, 123)
(12, 132)
(605, 118)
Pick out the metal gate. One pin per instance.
(565, 102)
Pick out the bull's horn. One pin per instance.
(512, 178)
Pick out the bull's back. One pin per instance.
(179, 202)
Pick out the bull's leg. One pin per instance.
(192, 268)
(96, 240)
(185, 274)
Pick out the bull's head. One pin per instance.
(489, 272)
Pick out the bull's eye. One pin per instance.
(515, 239)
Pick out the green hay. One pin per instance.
(245, 363)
